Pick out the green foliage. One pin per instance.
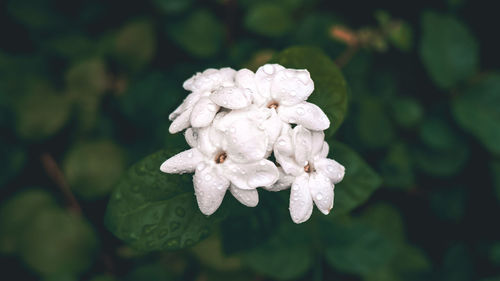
(406, 112)
(135, 44)
(200, 34)
(374, 125)
(449, 51)
(397, 167)
(268, 19)
(151, 210)
(359, 182)
(173, 6)
(449, 203)
(495, 171)
(477, 111)
(330, 88)
(93, 167)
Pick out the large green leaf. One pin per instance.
(448, 49)
(286, 255)
(354, 247)
(200, 34)
(359, 182)
(330, 88)
(477, 110)
(151, 210)
(268, 19)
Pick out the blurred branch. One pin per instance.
(56, 175)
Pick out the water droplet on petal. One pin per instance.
(293, 93)
(300, 111)
(232, 130)
(190, 154)
(268, 69)
(208, 177)
(319, 196)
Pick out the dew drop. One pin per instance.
(330, 168)
(190, 154)
(319, 196)
(208, 177)
(291, 120)
(300, 111)
(282, 142)
(268, 69)
(293, 93)
(174, 226)
(232, 130)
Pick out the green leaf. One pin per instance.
(58, 242)
(477, 110)
(13, 157)
(457, 266)
(448, 49)
(397, 168)
(200, 34)
(135, 44)
(41, 111)
(374, 126)
(284, 256)
(401, 36)
(449, 203)
(93, 167)
(359, 182)
(149, 272)
(209, 253)
(268, 19)
(494, 253)
(16, 214)
(330, 88)
(407, 112)
(173, 6)
(103, 278)
(151, 210)
(495, 171)
(356, 248)
(87, 77)
(386, 219)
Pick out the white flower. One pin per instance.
(285, 91)
(230, 154)
(197, 110)
(302, 155)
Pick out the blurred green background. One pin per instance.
(86, 88)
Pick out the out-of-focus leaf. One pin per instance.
(149, 272)
(397, 167)
(135, 44)
(151, 210)
(72, 46)
(495, 171)
(36, 15)
(330, 88)
(409, 264)
(457, 265)
(103, 278)
(407, 112)
(448, 49)
(477, 110)
(61, 277)
(357, 248)
(93, 167)
(200, 34)
(359, 182)
(444, 152)
(374, 126)
(401, 36)
(17, 213)
(58, 242)
(449, 203)
(268, 19)
(286, 255)
(87, 77)
(385, 219)
(494, 253)
(210, 254)
(173, 6)
(13, 157)
(41, 111)
(149, 100)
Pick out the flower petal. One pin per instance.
(284, 181)
(324, 150)
(250, 176)
(292, 86)
(209, 188)
(301, 203)
(306, 114)
(203, 112)
(191, 136)
(181, 122)
(247, 197)
(209, 80)
(184, 162)
(231, 97)
(284, 154)
(272, 127)
(321, 192)
(245, 79)
(302, 141)
(205, 143)
(264, 77)
(317, 141)
(187, 103)
(331, 169)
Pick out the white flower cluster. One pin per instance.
(235, 120)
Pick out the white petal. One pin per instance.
(205, 143)
(209, 188)
(322, 192)
(306, 114)
(324, 150)
(230, 97)
(181, 122)
(301, 203)
(331, 169)
(284, 181)
(209, 80)
(245, 79)
(250, 176)
(264, 77)
(302, 141)
(273, 129)
(247, 197)
(203, 112)
(191, 136)
(292, 86)
(184, 162)
(284, 154)
(186, 104)
(317, 141)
